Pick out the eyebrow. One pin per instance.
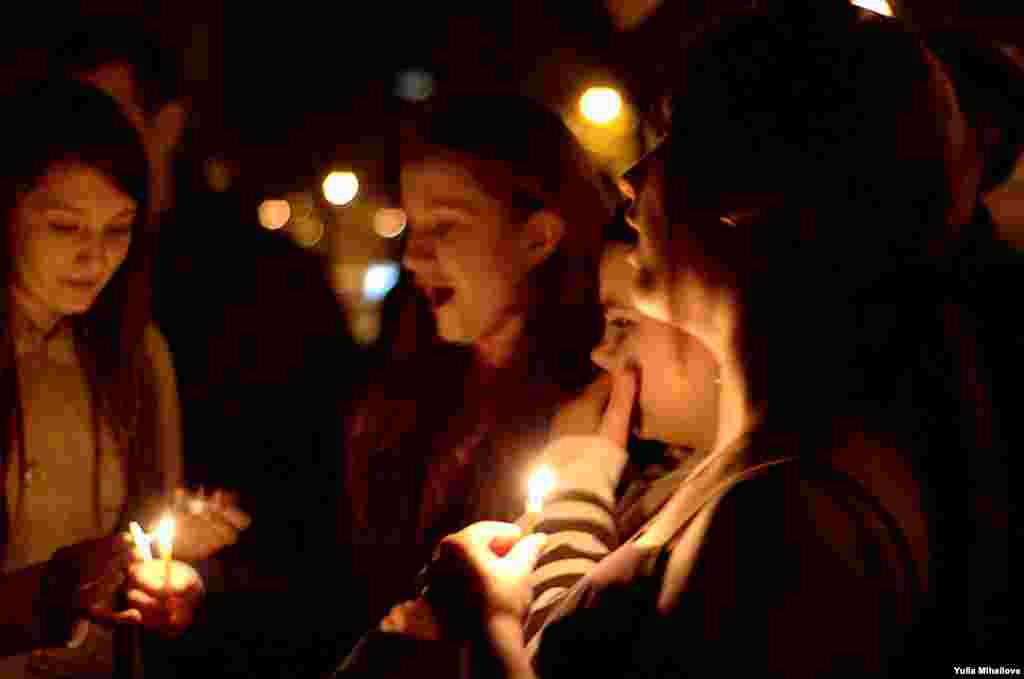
(614, 301)
(57, 204)
(455, 204)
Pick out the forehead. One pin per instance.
(80, 186)
(446, 182)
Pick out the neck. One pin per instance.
(735, 415)
(41, 317)
(161, 189)
(496, 348)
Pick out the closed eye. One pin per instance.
(63, 227)
(620, 323)
(120, 231)
(441, 230)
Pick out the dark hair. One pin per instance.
(989, 83)
(524, 154)
(61, 122)
(103, 40)
(807, 172)
(818, 139)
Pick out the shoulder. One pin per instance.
(770, 555)
(791, 511)
(778, 526)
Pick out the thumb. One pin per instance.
(521, 559)
(615, 423)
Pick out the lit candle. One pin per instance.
(142, 541)
(539, 486)
(165, 538)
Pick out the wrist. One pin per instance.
(587, 461)
(506, 646)
(54, 609)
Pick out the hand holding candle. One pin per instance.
(163, 592)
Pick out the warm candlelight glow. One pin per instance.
(142, 541)
(165, 536)
(601, 105)
(540, 485)
(879, 6)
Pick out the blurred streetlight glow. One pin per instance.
(218, 174)
(307, 231)
(389, 222)
(601, 105)
(878, 6)
(379, 279)
(414, 85)
(274, 213)
(340, 187)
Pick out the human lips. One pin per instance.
(437, 295)
(81, 285)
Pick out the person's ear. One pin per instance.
(541, 235)
(167, 126)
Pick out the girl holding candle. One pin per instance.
(90, 411)
(796, 221)
(503, 244)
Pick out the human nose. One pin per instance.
(419, 253)
(604, 356)
(90, 248)
(94, 251)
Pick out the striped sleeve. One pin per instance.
(578, 519)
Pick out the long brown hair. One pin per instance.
(58, 122)
(808, 171)
(530, 159)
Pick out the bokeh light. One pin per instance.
(380, 278)
(274, 213)
(301, 203)
(307, 231)
(341, 187)
(389, 222)
(218, 174)
(878, 6)
(601, 105)
(414, 85)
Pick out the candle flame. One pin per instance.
(165, 536)
(540, 485)
(142, 541)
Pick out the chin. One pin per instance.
(76, 306)
(451, 332)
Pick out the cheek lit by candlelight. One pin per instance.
(540, 485)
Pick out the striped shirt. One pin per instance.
(585, 521)
(731, 572)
